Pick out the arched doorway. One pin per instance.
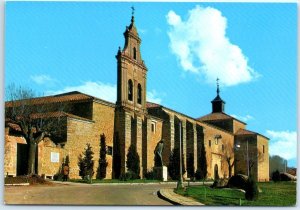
(216, 172)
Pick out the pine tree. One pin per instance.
(86, 163)
(190, 165)
(133, 161)
(101, 172)
(202, 165)
(174, 164)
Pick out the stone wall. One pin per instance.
(45, 165)
(10, 152)
(238, 125)
(103, 117)
(263, 162)
(155, 137)
(214, 151)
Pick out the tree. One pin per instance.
(276, 163)
(86, 163)
(133, 161)
(228, 156)
(251, 156)
(31, 116)
(101, 172)
(190, 165)
(174, 164)
(202, 163)
(251, 189)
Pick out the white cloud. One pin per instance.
(41, 79)
(201, 46)
(103, 91)
(283, 143)
(152, 96)
(243, 118)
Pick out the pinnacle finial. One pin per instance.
(218, 90)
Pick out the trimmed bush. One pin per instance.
(251, 189)
(238, 181)
(276, 176)
(133, 162)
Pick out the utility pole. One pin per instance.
(247, 158)
(180, 181)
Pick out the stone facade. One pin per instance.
(134, 121)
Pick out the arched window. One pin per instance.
(134, 53)
(130, 90)
(139, 96)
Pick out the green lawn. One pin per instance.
(273, 194)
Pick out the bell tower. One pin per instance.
(131, 81)
(218, 105)
(130, 111)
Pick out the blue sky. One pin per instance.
(252, 47)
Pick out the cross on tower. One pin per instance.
(132, 8)
(218, 91)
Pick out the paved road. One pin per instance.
(85, 194)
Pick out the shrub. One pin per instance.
(199, 175)
(86, 163)
(276, 176)
(101, 172)
(58, 177)
(238, 181)
(190, 166)
(129, 175)
(251, 189)
(149, 175)
(133, 161)
(174, 164)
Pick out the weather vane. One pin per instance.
(218, 91)
(132, 8)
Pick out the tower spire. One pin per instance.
(218, 104)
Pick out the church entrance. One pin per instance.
(216, 173)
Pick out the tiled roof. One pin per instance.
(67, 97)
(247, 132)
(73, 96)
(57, 114)
(215, 116)
(152, 105)
(14, 126)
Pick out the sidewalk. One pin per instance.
(176, 199)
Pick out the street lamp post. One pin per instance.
(180, 181)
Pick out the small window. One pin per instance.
(130, 94)
(263, 148)
(134, 53)
(153, 127)
(222, 147)
(209, 143)
(109, 150)
(139, 96)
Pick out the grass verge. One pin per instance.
(273, 194)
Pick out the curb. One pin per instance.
(169, 195)
(101, 184)
(20, 184)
